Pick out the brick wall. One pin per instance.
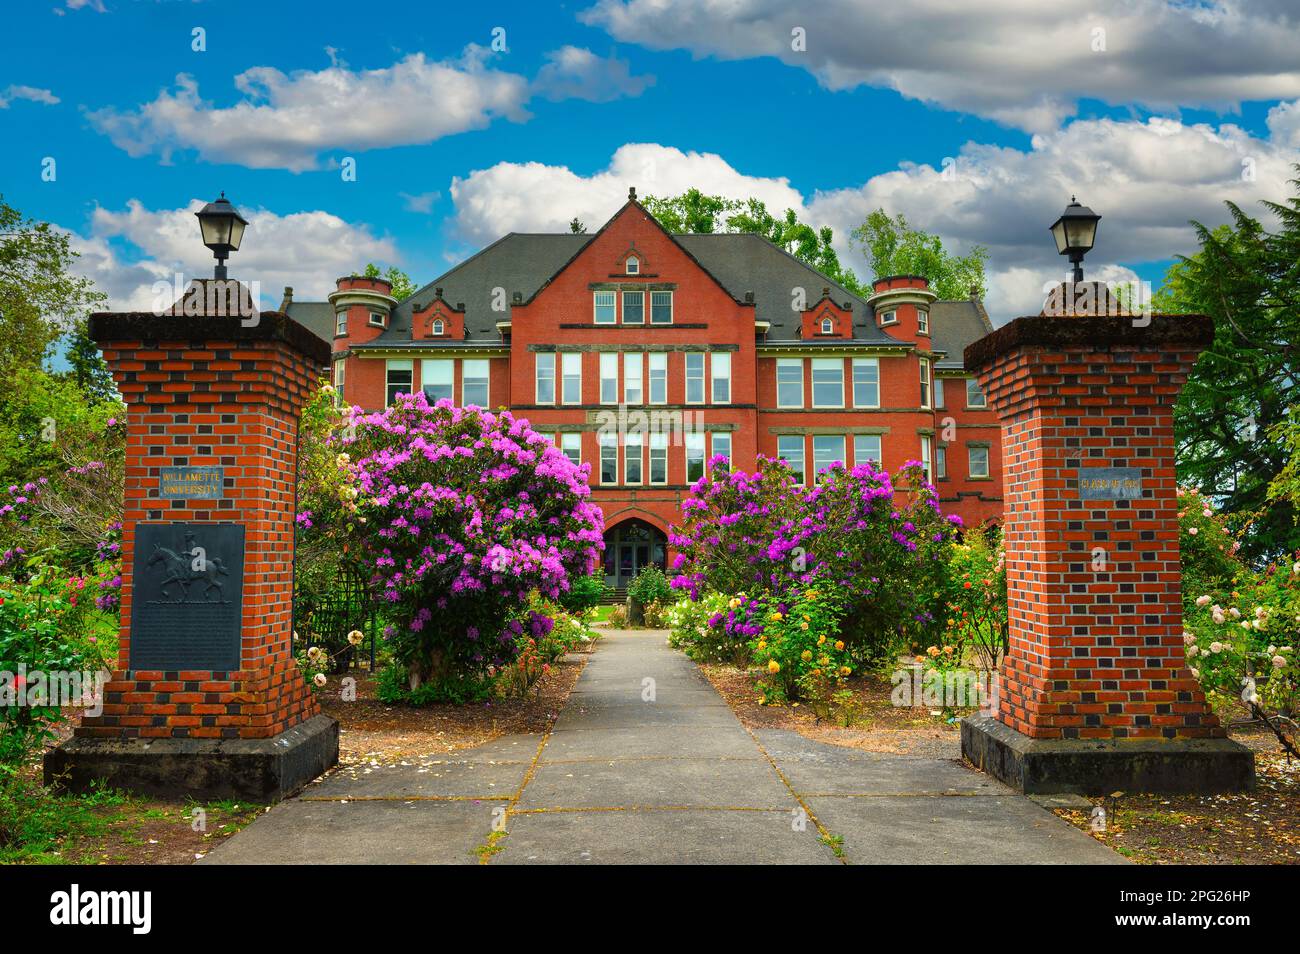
(209, 391)
(1093, 585)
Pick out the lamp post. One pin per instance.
(1075, 232)
(223, 229)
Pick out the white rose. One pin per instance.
(1278, 662)
(1216, 647)
(1202, 600)
(319, 679)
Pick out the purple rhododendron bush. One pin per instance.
(461, 518)
(858, 564)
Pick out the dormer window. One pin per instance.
(828, 326)
(633, 265)
(922, 321)
(378, 320)
(437, 328)
(888, 318)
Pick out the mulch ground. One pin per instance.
(1253, 828)
(877, 724)
(111, 828)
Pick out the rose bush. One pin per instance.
(457, 516)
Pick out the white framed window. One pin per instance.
(397, 377)
(925, 383)
(695, 377)
(978, 458)
(608, 377)
(634, 307)
(721, 446)
(632, 458)
(658, 378)
(866, 382)
(790, 450)
(437, 328)
(341, 323)
(571, 374)
(633, 365)
(571, 444)
(941, 462)
(939, 400)
(922, 321)
(828, 449)
(474, 383)
(694, 456)
(721, 368)
(438, 378)
(926, 465)
(661, 308)
(866, 448)
(828, 326)
(888, 317)
(658, 458)
(975, 396)
(338, 381)
(545, 364)
(633, 265)
(789, 382)
(827, 382)
(377, 319)
(608, 458)
(605, 307)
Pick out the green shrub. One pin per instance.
(799, 653)
(650, 586)
(697, 628)
(584, 593)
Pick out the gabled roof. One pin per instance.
(740, 263)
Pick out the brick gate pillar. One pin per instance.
(1095, 694)
(207, 699)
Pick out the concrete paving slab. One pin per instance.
(686, 782)
(433, 778)
(955, 830)
(576, 717)
(639, 741)
(300, 832)
(661, 837)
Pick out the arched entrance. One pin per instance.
(629, 546)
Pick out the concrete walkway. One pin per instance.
(647, 764)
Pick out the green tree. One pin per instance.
(88, 368)
(403, 287)
(696, 213)
(40, 298)
(576, 227)
(1235, 417)
(893, 247)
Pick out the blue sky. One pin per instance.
(456, 143)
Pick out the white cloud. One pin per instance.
(1284, 123)
(285, 121)
(1026, 64)
(306, 250)
(1147, 179)
(421, 202)
(36, 95)
(572, 72)
(533, 197)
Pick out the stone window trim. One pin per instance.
(671, 348)
(795, 431)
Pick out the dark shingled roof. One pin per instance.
(954, 325)
(741, 263)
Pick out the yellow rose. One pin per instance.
(839, 644)
(803, 626)
(773, 666)
(845, 670)
(821, 640)
(762, 645)
(807, 655)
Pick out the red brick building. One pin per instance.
(647, 353)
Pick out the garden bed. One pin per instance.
(877, 725)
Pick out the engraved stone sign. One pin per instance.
(1110, 483)
(188, 483)
(187, 596)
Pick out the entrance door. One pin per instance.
(629, 547)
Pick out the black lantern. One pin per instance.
(223, 230)
(1075, 232)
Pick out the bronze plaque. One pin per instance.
(187, 594)
(1110, 483)
(191, 483)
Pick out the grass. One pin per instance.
(603, 613)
